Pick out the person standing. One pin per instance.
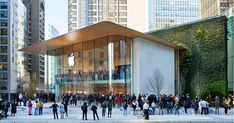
(109, 108)
(146, 110)
(104, 106)
(61, 109)
(84, 109)
(125, 108)
(134, 105)
(94, 109)
(30, 107)
(40, 105)
(13, 108)
(217, 106)
(226, 105)
(54, 109)
(153, 106)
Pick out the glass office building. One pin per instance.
(166, 13)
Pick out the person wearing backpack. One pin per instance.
(84, 109)
(94, 109)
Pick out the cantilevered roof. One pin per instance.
(92, 32)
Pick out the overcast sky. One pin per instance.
(56, 13)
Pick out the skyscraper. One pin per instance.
(142, 15)
(214, 7)
(36, 34)
(82, 13)
(12, 38)
(166, 13)
(50, 32)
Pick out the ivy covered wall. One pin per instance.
(203, 66)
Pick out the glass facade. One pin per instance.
(166, 13)
(230, 44)
(97, 66)
(82, 13)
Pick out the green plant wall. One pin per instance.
(205, 60)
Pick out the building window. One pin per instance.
(122, 1)
(3, 76)
(3, 22)
(3, 58)
(3, 49)
(3, 67)
(3, 5)
(3, 40)
(3, 31)
(3, 88)
(3, 14)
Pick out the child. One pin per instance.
(62, 111)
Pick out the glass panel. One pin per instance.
(88, 67)
(128, 65)
(60, 77)
(68, 60)
(101, 73)
(78, 71)
(117, 67)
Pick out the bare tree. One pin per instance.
(156, 82)
(198, 83)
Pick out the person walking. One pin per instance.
(13, 108)
(84, 109)
(146, 110)
(94, 109)
(153, 106)
(30, 107)
(104, 106)
(109, 108)
(40, 105)
(61, 109)
(54, 109)
(5, 107)
(125, 108)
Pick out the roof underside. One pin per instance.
(92, 32)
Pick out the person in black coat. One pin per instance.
(94, 109)
(55, 108)
(84, 108)
(13, 108)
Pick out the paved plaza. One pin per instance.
(75, 115)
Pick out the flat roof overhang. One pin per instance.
(95, 31)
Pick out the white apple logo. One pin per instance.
(71, 60)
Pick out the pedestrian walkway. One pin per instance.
(75, 115)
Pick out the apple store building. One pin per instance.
(107, 57)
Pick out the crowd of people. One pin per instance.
(142, 104)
